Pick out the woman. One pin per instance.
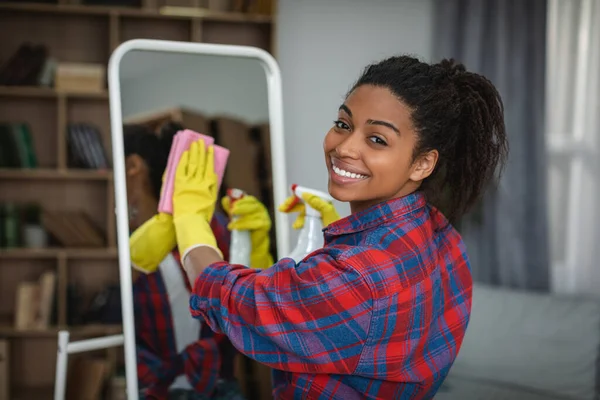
(381, 310)
(177, 357)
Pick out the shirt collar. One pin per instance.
(377, 214)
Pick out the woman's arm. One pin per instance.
(198, 259)
(313, 316)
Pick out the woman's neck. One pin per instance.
(146, 209)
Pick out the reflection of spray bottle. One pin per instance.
(241, 245)
(311, 235)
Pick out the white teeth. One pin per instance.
(347, 174)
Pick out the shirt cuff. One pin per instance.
(211, 298)
(205, 301)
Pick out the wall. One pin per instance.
(322, 47)
(208, 84)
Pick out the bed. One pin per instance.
(526, 345)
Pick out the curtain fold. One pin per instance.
(505, 40)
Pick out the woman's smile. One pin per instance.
(343, 173)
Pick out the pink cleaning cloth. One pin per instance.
(181, 142)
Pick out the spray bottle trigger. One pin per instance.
(295, 200)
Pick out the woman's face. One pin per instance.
(369, 150)
(139, 195)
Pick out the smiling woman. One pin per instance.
(406, 125)
(381, 310)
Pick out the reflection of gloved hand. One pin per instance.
(151, 242)
(194, 198)
(325, 208)
(249, 214)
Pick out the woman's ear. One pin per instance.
(134, 165)
(424, 165)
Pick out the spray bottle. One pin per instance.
(241, 245)
(311, 235)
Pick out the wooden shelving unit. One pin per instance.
(88, 34)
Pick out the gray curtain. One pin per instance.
(505, 40)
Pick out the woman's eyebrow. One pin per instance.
(383, 123)
(345, 108)
(393, 127)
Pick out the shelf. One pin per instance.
(75, 331)
(170, 12)
(56, 174)
(46, 92)
(51, 253)
(79, 33)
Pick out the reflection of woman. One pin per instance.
(178, 357)
(381, 310)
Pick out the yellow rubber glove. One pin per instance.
(152, 242)
(194, 198)
(248, 213)
(325, 208)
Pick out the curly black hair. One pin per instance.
(458, 113)
(153, 148)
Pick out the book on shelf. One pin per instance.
(73, 229)
(16, 146)
(34, 302)
(30, 226)
(27, 66)
(85, 147)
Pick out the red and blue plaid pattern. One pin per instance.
(378, 313)
(159, 363)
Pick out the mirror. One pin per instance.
(233, 94)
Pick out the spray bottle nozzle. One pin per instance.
(235, 194)
(299, 190)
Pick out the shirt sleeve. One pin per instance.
(313, 316)
(202, 363)
(154, 372)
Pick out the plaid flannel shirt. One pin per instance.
(378, 313)
(159, 363)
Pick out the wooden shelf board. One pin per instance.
(46, 92)
(57, 174)
(202, 13)
(34, 392)
(51, 253)
(135, 12)
(7, 330)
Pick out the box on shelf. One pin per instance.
(80, 77)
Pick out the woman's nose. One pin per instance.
(349, 147)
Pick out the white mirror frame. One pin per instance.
(280, 188)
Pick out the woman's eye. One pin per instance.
(378, 140)
(341, 125)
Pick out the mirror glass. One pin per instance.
(225, 98)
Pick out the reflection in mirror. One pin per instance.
(226, 99)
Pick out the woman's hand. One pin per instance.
(194, 199)
(325, 208)
(248, 213)
(151, 242)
